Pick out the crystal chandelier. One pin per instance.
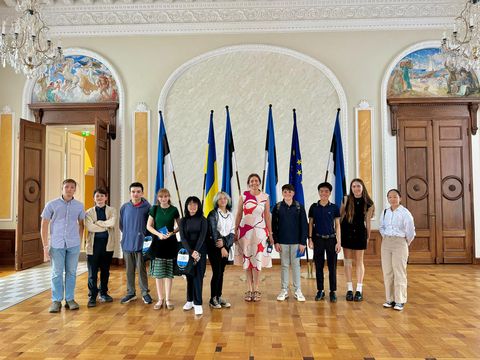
(25, 44)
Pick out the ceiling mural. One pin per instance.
(79, 78)
(423, 73)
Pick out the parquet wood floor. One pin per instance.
(6, 270)
(441, 321)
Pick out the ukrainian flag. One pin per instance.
(210, 171)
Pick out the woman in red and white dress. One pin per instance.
(253, 235)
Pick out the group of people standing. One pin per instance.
(255, 230)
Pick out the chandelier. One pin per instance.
(25, 44)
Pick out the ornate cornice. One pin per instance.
(159, 17)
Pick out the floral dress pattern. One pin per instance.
(251, 249)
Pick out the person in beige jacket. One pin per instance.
(100, 222)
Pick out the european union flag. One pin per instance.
(295, 176)
(211, 179)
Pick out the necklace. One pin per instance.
(221, 214)
(164, 211)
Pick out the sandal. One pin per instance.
(158, 305)
(256, 296)
(248, 296)
(169, 305)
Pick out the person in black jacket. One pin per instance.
(193, 231)
(221, 229)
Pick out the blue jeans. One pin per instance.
(64, 261)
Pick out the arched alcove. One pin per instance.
(248, 78)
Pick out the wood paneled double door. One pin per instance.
(434, 177)
(31, 170)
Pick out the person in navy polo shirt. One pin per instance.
(324, 237)
(64, 218)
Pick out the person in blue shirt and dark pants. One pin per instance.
(324, 237)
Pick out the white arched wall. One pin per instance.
(315, 64)
(389, 144)
(117, 193)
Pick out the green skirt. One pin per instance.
(161, 268)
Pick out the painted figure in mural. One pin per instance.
(452, 79)
(70, 80)
(103, 84)
(397, 85)
(406, 65)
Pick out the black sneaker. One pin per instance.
(333, 296)
(127, 298)
(349, 295)
(105, 298)
(320, 295)
(147, 299)
(214, 304)
(92, 302)
(358, 296)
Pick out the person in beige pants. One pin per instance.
(398, 231)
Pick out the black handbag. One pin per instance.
(183, 262)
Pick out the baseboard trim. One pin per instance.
(476, 261)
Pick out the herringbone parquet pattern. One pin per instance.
(441, 320)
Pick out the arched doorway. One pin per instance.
(83, 91)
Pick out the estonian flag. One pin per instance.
(229, 160)
(164, 160)
(210, 171)
(295, 176)
(271, 162)
(336, 166)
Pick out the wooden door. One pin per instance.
(452, 189)
(31, 177)
(434, 175)
(102, 155)
(75, 166)
(55, 162)
(417, 185)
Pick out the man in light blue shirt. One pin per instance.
(64, 216)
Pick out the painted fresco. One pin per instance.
(424, 73)
(78, 79)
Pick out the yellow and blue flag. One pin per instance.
(210, 171)
(295, 176)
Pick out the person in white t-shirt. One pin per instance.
(398, 231)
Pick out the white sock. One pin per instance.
(349, 286)
(359, 287)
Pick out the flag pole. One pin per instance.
(178, 191)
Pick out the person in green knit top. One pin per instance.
(161, 223)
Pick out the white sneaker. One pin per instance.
(198, 309)
(299, 296)
(283, 295)
(188, 306)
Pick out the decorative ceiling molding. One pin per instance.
(127, 17)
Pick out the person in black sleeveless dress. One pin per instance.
(357, 213)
